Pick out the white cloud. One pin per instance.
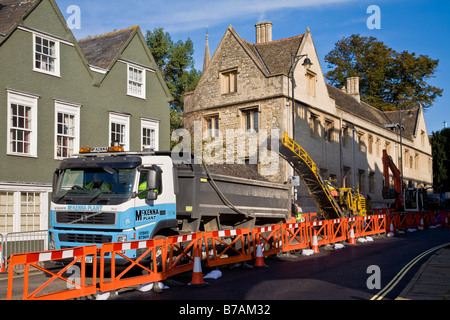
(180, 15)
(195, 14)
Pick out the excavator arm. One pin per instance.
(308, 172)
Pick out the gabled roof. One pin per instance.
(102, 50)
(276, 55)
(273, 57)
(380, 118)
(409, 120)
(12, 11)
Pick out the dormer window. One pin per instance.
(136, 81)
(46, 55)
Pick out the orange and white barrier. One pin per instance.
(149, 251)
(163, 258)
(294, 236)
(268, 238)
(50, 290)
(227, 246)
(178, 253)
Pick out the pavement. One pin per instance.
(432, 281)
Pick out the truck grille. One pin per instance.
(105, 218)
(84, 238)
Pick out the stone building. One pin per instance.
(246, 93)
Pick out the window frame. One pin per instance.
(152, 125)
(57, 71)
(143, 94)
(248, 114)
(228, 81)
(25, 100)
(120, 119)
(73, 110)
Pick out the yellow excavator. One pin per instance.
(332, 203)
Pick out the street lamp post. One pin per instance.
(307, 64)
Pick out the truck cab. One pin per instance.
(105, 196)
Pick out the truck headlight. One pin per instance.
(122, 238)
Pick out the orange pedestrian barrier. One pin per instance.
(338, 230)
(149, 258)
(320, 229)
(268, 238)
(382, 225)
(228, 246)
(50, 290)
(355, 224)
(294, 236)
(179, 253)
(369, 226)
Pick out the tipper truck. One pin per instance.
(106, 195)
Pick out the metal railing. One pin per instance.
(22, 242)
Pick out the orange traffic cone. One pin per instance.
(352, 237)
(315, 244)
(259, 258)
(197, 275)
(391, 230)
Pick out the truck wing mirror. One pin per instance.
(152, 195)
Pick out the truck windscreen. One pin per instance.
(94, 183)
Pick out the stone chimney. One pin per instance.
(263, 32)
(353, 88)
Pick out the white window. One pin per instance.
(119, 125)
(136, 81)
(22, 124)
(46, 55)
(67, 129)
(150, 134)
(23, 209)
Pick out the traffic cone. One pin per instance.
(421, 226)
(352, 237)
(315, 243)
(197, 275)
(259, 258)
(391, 230)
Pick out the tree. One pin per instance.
(388, 79)
(175, 60)
(440, 144)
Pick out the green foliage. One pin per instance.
(440, 143)
(388, 79)
(175, 60)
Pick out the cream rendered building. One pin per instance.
(246, 89)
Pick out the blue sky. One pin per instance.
(418, 26)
